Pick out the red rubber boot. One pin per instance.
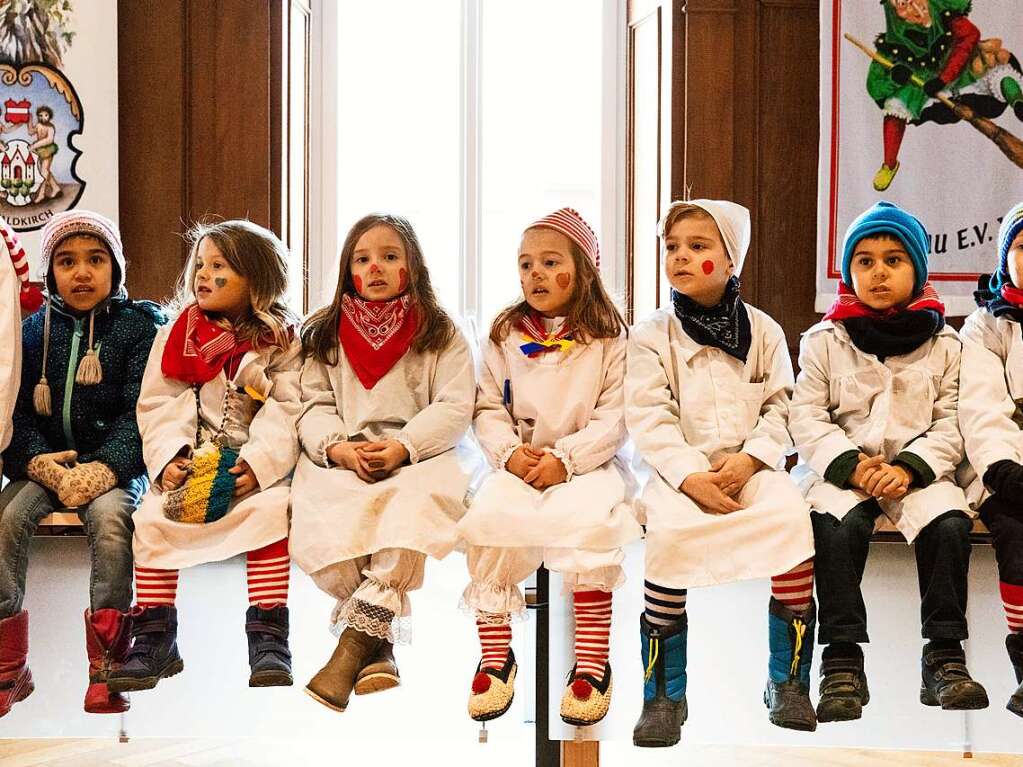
(107, 636)
(15, 678)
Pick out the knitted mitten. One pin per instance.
(86, 482)
(49, 469)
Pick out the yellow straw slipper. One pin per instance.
(586, 700)
(493, 690)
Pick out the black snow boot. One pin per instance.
(269, 656)
(946, 681)
(153, 654)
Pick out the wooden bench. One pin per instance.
(62, 522)
(886, 532)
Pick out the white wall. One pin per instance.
(728, 653)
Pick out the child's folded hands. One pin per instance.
(880, 479)
(381, 459)
(523, 461)
(371, 461)
(734, 471)
(548, 471)
(704, 488)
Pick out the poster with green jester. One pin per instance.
(922, 105)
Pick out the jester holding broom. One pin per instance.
(936, 41)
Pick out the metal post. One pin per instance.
(548, 752)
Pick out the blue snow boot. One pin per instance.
(787, 695)
(664, 686)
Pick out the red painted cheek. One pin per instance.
(563, 279)
(402, 280)
(357, 280)
(708, 267)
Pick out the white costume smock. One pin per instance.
(365, 543)
(846, 399)
(990, 398)
(167, 418)
(571, 404)
(686, 405)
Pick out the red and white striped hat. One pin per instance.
(572, 225)
(31, 298)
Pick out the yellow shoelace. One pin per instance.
(654, 651)
(800, 628)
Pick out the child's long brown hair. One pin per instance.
(436, 329)
(258, 255)
(591, 314)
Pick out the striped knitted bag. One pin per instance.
(207, 493)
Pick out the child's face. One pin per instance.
(547, 271)
(695, 260)
(882, 273)
(218, 288)
(1016, 260)
(380, 264)
(83, 270)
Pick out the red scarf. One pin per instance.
(375, 335)
(1013, 295)
(848, 305)
(198, 349)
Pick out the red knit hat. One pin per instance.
(30, 296)
(574, 227)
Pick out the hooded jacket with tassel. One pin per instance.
(96, 420)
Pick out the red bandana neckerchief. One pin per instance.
(848, 305)
(198, 349)
(375, 334)
(1013, 295)
(538, 340)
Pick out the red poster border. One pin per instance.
(836, 72)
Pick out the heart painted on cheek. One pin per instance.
(707, 266)
(358, 282)
(220, 282)
(563, 279)
(402, 280)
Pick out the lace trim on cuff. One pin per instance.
(562, 456)
(493, 604)
(504, 455)
(374, 620)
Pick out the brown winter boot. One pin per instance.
(381, 673)
(15, 678)
(332, 685)
(107, 636)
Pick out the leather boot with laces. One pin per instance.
(946, 680)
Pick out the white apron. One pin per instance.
(167, 422)
(570, 403)
(846, 400)
(688, 404)
(425, 402)
(990, 398)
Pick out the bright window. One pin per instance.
(541, 126)
(471, 118)
(398, 121)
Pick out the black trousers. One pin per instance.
(1005, 521)
(942, 561)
